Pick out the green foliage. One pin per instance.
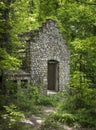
(12, 116)
(83, 58)
(47, 100)
(80, 102)
(51, 124)
(86, 117)
(77, 22)
(65, 118)
(31, 99)
(48, 8)
(21, 17)
(27, 99)
(8, 61)
(77, 19)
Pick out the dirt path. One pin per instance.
(35, 121)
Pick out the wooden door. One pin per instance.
(52, 75)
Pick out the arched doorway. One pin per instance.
(53, 75)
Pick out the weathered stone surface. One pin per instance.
(44, 45)
(16, 75)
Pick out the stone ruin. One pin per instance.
(47, 60)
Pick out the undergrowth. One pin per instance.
(18, 103)
(76, 107)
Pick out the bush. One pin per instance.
(27, 99)
(80, 101)
(46, 100)
(86, 117)
(65, 118)
(11, 116)
(51, 124)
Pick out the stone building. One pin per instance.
(47, 57)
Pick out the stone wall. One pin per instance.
(47, 44)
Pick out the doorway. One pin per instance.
(53, 75)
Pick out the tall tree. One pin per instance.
(7, 61)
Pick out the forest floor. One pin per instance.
(36, 121)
